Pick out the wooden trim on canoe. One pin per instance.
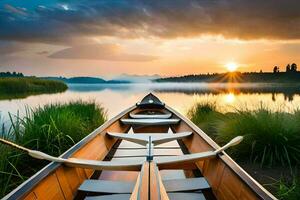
(257, 189)
(29, 184)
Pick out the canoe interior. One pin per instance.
(226, 178)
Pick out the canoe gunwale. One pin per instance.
(30, 183)
(259, 190)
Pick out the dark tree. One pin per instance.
(9, 74)
(294, 67)
(275, 69)
(288, 68)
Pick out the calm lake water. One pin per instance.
(181, 96)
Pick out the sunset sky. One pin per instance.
(169, 37)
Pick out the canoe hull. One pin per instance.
(57, 181)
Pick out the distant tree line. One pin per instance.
(11, 74)
(290, 76)
(288, 68)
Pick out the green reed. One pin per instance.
(288, 190)
(52, 129)
(24, 86)
(270, 138)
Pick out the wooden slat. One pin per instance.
(148, 122)
(156, 138)
(141, 189)
(106, 186)
(49, 189)
(154, 129)
(157, 116)
(109, 197)
(156, 185)
(135, 192)
(30, 196)
(189, 184)
(64, 184)
(186, 196)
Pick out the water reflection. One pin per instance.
(117, 97)
(289, 91)
(229, 98)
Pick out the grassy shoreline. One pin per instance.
(52, 129)
(25, 86)
(271, 145)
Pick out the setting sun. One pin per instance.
(231, 66)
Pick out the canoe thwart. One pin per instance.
(140, 116)
(148, 116)
(156, 138)
(150, 122)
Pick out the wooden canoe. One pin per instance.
(163, 156)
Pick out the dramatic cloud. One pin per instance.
(109, 52)
(64, 23)
(12, 9)
(42, 52)
(7, 48)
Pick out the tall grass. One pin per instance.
(288, 190)
(10, 87)
(52, 129)
(270, 138)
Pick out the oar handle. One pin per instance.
(32, 153)
(9, 143)
(232, 142)
(44, 156)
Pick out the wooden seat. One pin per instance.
(187, 196)
(156, 138)
(107, 186)
(152, 122)
(109, 197)
(124, 187)
(182, 185)
(155, 116)
(172, 196)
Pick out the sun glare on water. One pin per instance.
(231, 67)
(229, 98)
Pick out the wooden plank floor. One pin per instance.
(130, 150)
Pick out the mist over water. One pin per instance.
(181, 96)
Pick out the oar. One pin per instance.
(175, 161)
(131, 165)
(233, 142)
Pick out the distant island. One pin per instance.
(291, 75)
(85, 80)
(21, 87)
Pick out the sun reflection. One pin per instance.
(229, 98)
